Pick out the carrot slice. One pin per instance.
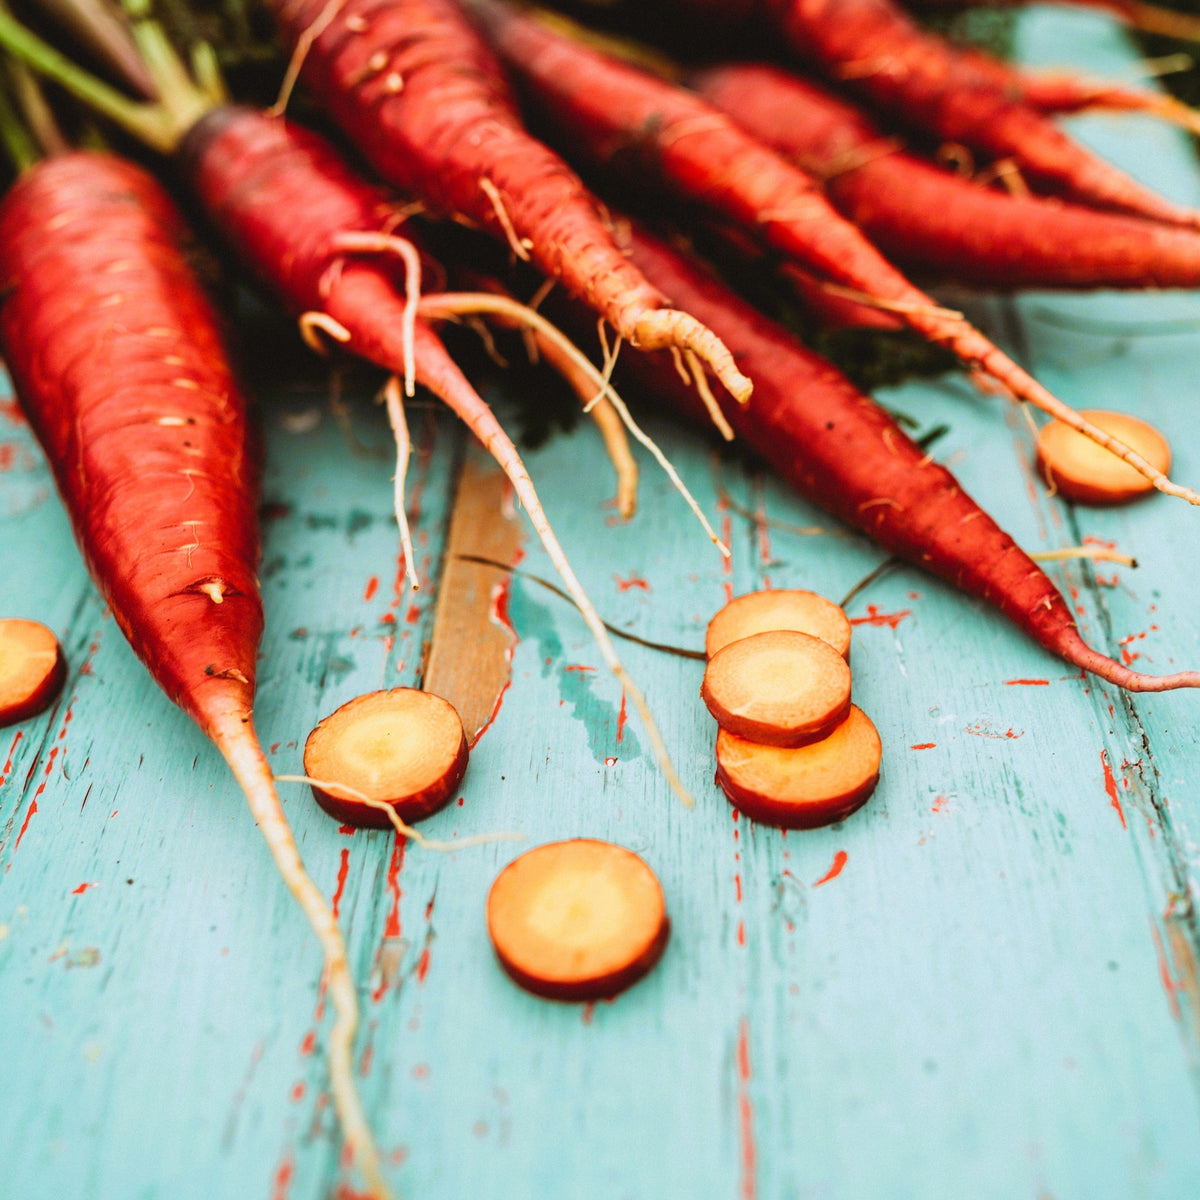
(404, 747)
(779, 688)
(577, 920)
(1083, 471)
(32, 669)
(760, 612)
(800, 789)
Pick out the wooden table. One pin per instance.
(983, 984)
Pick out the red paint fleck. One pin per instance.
(589, 1011)
(737, 883)
(982, 730)
(298, 1090)
(839, 861)
(421, 1071)
(1164, 973)
(1110, 581)
(423, 965)
(12, 750)
(283, 1179)
(372, 588)
(309, 1044)
(368, 1057)
(622, 716)
(608, 762)
(741, 933)
(727, 538)
(924, 746)
(875, 617)
(1027, 683)
(578, 667)
(413, 615)
(347, 830)
(748, 1186)
(392, 926)
(343, 873)
(33, 804)
(83, 887)
(941, 804)
(634, 581)
(388, 619)
(1110, 786)
(11, 411)
(501, 595)
(8, 454)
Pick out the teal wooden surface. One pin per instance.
(995, 995)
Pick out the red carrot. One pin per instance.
(423, 98)
(619, 116)
(115, 354)
(919, 80)
(926, 217)
(843, 452)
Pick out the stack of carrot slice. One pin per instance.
(791, 749)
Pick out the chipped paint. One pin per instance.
(839, 862)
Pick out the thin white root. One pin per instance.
(395, 409)
(304, 44)
(239, 745)
(355, 242)
(346, 792)
(1097, 553)
(492, 192)
(609, 361)
(707, 398)
(904, 307)
(310, 322)
(449, 305)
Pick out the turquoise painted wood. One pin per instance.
(995, 995)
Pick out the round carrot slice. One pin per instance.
(577, 920)
(405, 748)
(780, 688)
(32, 669)
(799, 789)
(1089, 474)
(760, 612)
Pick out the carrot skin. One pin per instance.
(926, 217)
(116, 355)
(844, 453)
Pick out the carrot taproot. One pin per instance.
(779, 688)
(115, 353)
(422, 97)
(1071, 467)
(404, 748)
(925, 217)
(802, 788)
(577, 920)
(779, 608)
(32, 669)
(918, 80)
(620, 117)
(845, 454)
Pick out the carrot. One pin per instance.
(420, 94)
(778, 688)
(577, 920)
(115, 354)
(929, 218)
(844, 453)
(758, 612)
(917, 79)
(1070, 465)
(619, 116)
(814, 785)
(404, 748)
(32, 669)
(1150, 18)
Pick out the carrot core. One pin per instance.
(404, 747)
(32, 669)
(577, 920)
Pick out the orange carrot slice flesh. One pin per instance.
(761, 612)
(577, 920)
(1082, 471)
(32, 669)
(779, 688)
(803, 788)
(403, 747)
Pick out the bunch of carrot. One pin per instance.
(419, 89)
